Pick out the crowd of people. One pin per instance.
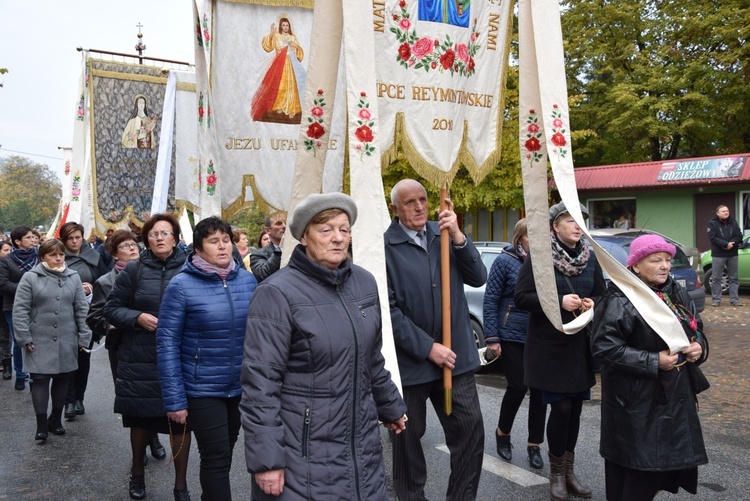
(207, 339)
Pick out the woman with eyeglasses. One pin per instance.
(132, 307)
(89, 264)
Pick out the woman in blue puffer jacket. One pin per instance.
(505, 331)
(199, 345)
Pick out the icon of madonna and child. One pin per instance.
(277, 98)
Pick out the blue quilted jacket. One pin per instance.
(201, 334)
(502, 320)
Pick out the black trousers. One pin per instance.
(216, 424)
(464, 436)
(79, 379)
(515, 393)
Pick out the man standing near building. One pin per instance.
(725, 236)
(266, 261)
(412, 253)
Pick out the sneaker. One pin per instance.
(736, 303)
(716, 303)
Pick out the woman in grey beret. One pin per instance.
(313, 377)
(49, 320)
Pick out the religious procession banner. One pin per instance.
(76, 204)
(251, 67)
(126, 106)
(441, 67)
(544, 122)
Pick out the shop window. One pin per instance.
(612, 213)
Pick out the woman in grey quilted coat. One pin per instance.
(313, 377)
(49, 320)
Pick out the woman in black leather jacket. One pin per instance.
(651, 437)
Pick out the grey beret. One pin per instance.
(315, 204)
(559, 209)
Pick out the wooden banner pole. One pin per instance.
(445, 277)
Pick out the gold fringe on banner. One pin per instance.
(303, 4)
(128, 76)
(260, 203)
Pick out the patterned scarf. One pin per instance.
(687, 320)
(207, 267)
(26, 258)
(565, 263)
(119, 265)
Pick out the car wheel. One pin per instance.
(478, 332)
(724, 281)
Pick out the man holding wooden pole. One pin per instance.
(413, 255)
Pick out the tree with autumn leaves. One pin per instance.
(29, 193)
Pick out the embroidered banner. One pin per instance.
(544, 133)
(441, 67)
(251, 66)
(126, 106)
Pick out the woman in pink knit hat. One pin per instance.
(651, 437)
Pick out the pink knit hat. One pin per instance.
(646, 245)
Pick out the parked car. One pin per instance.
(693, 254)
(743, 270)
(475, 295)
(618, 246)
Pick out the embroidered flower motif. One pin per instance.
(201, 111)
(364, 133)
(533, 144)
(205, 33)
(211, 179)
(75, 187)
(432, 54)
(315, 130)
(558, 133)
(67, 167)
(81, 109)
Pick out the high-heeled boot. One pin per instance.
(137, 487)
(41, 428)
(575, 487)
(558, 490)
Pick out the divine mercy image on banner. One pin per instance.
(126, 102)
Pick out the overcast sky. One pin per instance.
(38, 98)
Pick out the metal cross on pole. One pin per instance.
(140, 46)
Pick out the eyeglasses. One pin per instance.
(162, 234)
(128, 245)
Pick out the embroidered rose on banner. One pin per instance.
(211, 179)
(315, 129)
(81, 109)
(433, 54)
(206, 34)
(67, 167)
(533, 135)
(558, 133)
(201, 111)
(363, 133)
(75, 187)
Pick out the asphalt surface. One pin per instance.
(92, 460)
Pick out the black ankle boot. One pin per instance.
(181, 495)
(137, 488)
(504, 447)
(41, 428)
(157, 450)
(55, 422)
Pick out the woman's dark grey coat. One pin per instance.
(644, 427)
(314, 383)
(50, 311)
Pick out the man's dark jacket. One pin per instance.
(265, 261)
(721, 232)
(414, 293)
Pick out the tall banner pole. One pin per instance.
(445, 280)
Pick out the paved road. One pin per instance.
(92, 461)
